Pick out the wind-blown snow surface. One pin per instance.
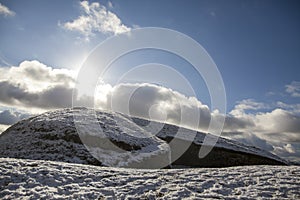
(47, 180)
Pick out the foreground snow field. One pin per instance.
(37, 179)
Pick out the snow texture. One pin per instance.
(33, 179)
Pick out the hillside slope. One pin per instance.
(53, 136)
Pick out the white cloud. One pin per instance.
(153, 101)
(280, 123)
(277, 130)
(293, 89)
(6, 11)
(35, 76)
(247, 104)
(278, 120)
(293, 108)
(96, 18)
(33, 85)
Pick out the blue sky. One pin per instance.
(255, 45)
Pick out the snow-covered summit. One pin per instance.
(124, 142)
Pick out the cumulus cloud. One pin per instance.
(238, 123)
(277, 120)
(35, 85)
(96, 18)
(278, 128)
(154, 102)
(293, 89)
(6, 11)
(36, 76)
(246, 104)
(293, 108)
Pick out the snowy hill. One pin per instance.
(36, 179)
(53, 136)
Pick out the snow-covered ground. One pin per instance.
(36, 179)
